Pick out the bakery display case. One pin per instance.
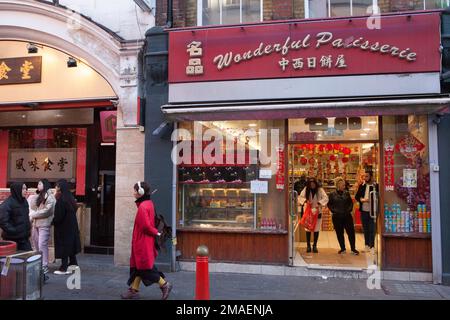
(218, 205)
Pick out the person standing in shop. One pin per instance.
(67, 235)
(143, 249)
(42, 208)
(317, 198)
(14, 217)
(366, 204)
(341, 205)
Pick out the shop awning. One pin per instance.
(301, 109)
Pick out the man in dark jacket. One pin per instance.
(341, 205)
(366, 204)
(14, 217)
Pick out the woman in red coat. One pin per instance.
(143, 250)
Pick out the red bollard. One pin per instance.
(202, 274)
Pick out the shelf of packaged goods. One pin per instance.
(220, 221)
(214, 183)
(231, 230)
(412, 235)
(229, 208)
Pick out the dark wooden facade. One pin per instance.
(407, 254)
(238, 246)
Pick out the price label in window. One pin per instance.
(265, 174)
(257, 186)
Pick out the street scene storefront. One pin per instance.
(331, 98)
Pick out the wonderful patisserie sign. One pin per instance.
(403, 44)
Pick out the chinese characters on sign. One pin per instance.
(195, 66)
(20, 70)
(389, 166)
(314, 62)
(35, 164)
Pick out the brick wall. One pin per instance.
(185, 11)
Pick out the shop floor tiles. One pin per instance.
(330, 257)
(328, 239)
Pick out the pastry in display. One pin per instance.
(244, 218)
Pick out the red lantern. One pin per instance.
(336, 147)
(332, 157)
(344, 160)
(312, 161)
(329, 147)
(347, 151)
(321, 148)
(311, 147)
(303, 161)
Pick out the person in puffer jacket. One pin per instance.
(42, 209)
(14, 217)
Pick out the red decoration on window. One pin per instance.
(389, 177)
(280, 169)
(410, 146)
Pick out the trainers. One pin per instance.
(59, 272)
(355, 252)
(315, 249)
(166, 290)
(130, 294)
(342, 251)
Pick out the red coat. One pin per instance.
(143, 251)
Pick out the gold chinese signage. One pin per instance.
(20, 70)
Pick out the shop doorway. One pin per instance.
(327, 161)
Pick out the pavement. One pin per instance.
(102, 280)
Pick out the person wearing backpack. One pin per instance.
(143, 248)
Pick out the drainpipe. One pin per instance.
(169, 22)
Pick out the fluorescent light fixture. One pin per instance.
(363, 134)
(372, 122)
(252, 125)
(367, 129)
(318, 123)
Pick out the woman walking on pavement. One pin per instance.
(143, 250)
(42, 209)
(67, 234)
(317, 199)
(14, 217)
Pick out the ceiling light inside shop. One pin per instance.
(252, 125)
(372, 122)
(24, 116)
(363, 134)
(58, 115)
(367, 129)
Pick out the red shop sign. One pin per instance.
(306, 49)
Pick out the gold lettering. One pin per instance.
(323, 38)
(285, 49)
(404, 53)
(258, 52)
(411, 56)
(338, 43)
(394, 51)
(223, 61)
(365, 45)
(375, 47)
(384, 48)
(268, 49)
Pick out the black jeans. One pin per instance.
(340, 223)
(66, 261)
(22, 244)
(369, 229)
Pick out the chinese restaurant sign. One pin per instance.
(306, 49)
(35, 164)
(109, 125)
(20, 70)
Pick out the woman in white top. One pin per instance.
(317, 198)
